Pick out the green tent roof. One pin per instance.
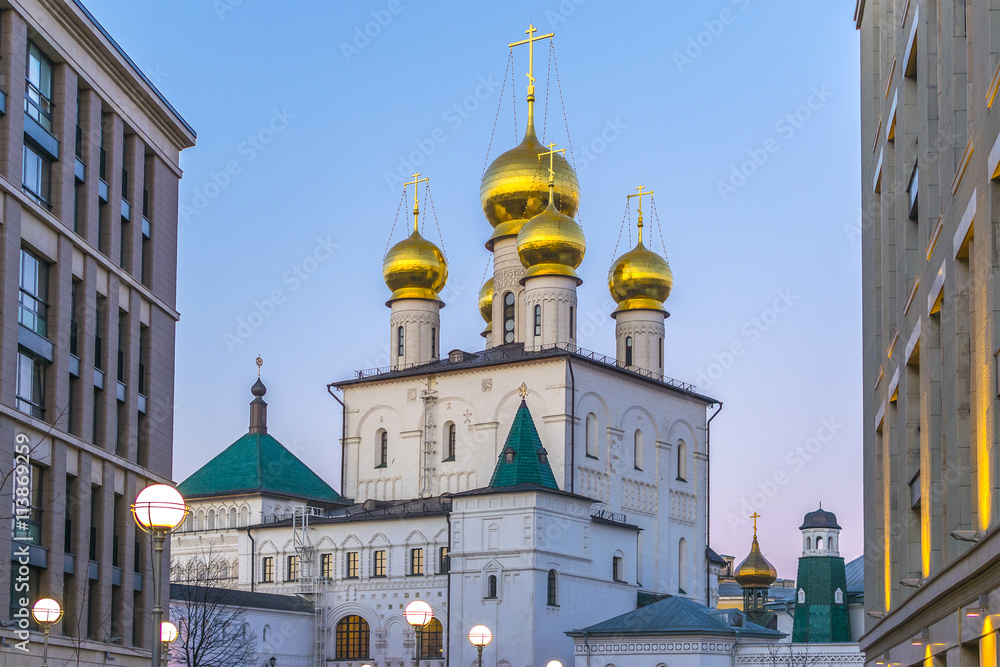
(257, 463)
(528, 463)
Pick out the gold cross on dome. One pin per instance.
(552, 155)
(640, 196)
(522, 390)
(530, 32)
(260, 362)
(416, 205)
(755, 516)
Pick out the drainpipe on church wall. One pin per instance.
(572, 426)
(708, 505)
(253, 560)
(343, 437)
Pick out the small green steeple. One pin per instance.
(523, 460)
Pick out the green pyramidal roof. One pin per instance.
(257, 463)
(527, 464)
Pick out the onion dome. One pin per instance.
(551, 244)
(640, 280)
(486, 305)
(514, 187)
(820, 519)
(415, 268)
(755, 571)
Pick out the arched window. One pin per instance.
(223, 570)
(682, 461)
(637, 446)
(508, 317)
(682, 566)
(618, 566)
(553, 597)
(591, 433)
(434, 341)
(235, 570)
(628, 350)
(832, 543)
(399, 341)
(809, 543)
(538, 320)
(382, 437)
(267, 633)
(199, 520)
(432, 640)
(491, 587)
(452, 435)
(838, 596)
(802, 596)
(232, 517)
(819, 543)
(211, 520)
(244, 516)
(352, 638)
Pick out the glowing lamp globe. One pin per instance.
(417, 613)
(480, 635)
(168, 632)
(553, 663)
(46, 611)
(159, 507)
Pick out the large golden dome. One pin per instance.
(551, 244)
(486, 305)
(515, 187)
(755, 571)
(640, 280)
(415, 268)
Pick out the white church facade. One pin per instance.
(533, 487)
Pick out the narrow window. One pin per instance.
(326, 566)
(553, 600)
(38, 96)
(383, 449)
(538, 320)
(491, 587)
(434, 346)
(819, 543)
(444, 561)
(399, 341)
(33, 309)
(378, 563)
(416, 561)
(682, 569)
(572, 323)
(351, 565)
(30, 385)
(628, 350)
(36, 173)
(432, 640)
(682, 461)
(508, 317)
(659, 345)
(618, 568)
(292, 570)
(591, 435)
(637, 446)
(267, 569)
(452, 434)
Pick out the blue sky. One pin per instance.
(742, 115)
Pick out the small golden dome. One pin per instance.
(415, 268)
(551, 244)
(486, 304)
(755, 571)
(640, 280)
(514, 188)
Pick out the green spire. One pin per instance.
(523, 460)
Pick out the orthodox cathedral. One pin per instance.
(531, 486)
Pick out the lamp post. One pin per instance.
(158, 509)
(553, 663)
(46, 613)
(418, 614)
(168, 633)
(480, 636)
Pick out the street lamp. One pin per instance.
(418, 614)
(480, 636)
(168, 633)
(553, 663)
(46, 612)
(158, 509)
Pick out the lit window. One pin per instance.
(553, 599)
(30, 385)
(538, 320)
(508, 317)
(38, 96)
(378, 563)
(293, 569)
(267, 569)
(352, 638)
(628, 350)
(432, 640)
(416, 561)
(444, 561)
(36, 176)
(351, 566)
(326, 566)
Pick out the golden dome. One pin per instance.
(514, 188)
(551, 244)
(755, 571)
(415, 268)
(640, 280)
(486, 305)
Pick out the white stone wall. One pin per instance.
(421, 323)
(646, 329)
(708, 651)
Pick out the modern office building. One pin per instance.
(89, 172)
(930, 155)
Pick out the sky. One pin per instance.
(742, 115)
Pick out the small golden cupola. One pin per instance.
(486, 306)
(415, 268)
(755, 571)
(513, 189)
(551, 243)
(640, 279)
